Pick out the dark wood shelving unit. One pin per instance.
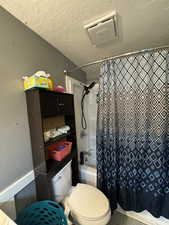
(48, 110)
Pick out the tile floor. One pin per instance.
(120, 219)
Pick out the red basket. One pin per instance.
(59, 150)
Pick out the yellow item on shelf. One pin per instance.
(39, 82)
(51, 84)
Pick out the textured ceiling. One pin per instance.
(142, 24)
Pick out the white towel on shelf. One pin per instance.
(5, 220)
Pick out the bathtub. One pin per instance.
(88, 175)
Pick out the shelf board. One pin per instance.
(53, 166)
(58, 138)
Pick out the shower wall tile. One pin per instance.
(92, 125)
(91, 104)
(82, 141)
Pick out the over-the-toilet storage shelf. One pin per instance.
(48, 110)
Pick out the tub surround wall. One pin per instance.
(91, 105)
(75, 87)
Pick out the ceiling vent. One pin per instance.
(103, 30)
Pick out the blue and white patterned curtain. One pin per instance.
(133, 132)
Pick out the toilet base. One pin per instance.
(81, 221)
(78, 219)
(103, 221)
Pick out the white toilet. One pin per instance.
(86, 204)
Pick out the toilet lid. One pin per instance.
(88, 202)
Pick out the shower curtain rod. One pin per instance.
(66, 72)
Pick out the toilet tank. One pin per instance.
(62, 183)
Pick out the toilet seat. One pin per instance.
(89, 204)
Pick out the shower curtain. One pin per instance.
(133, 132)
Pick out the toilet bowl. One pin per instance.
(88, 205)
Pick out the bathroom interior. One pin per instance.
(84, 112)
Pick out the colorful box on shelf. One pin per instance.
(39, 82)
(59, 150)
(40, 79)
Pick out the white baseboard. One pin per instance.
(17, 186)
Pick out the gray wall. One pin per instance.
(22, 52)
